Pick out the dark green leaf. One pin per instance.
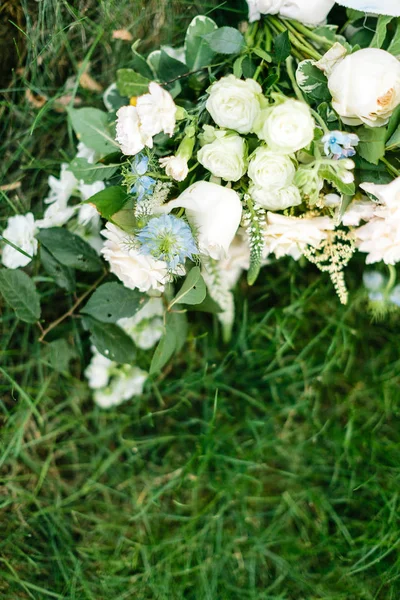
(69, 249)
(130, 83)
(312, 81)
(225, 40)
(112, 301)
(63, 276)
(109, 201)
(330, 175)
(394, 141)
(208, 305)
(262, 54)
(125, 220)
(165, 349)
(19, 291)
(140, 65)
(170, 68)
(198, 51)
(111, 341)
(380, 31)
(59, 353)
(93, 129)
(394, 46)
(365, 171)
(282, 47)
(89, 173)
(372, 143)
(394, 123)
(193, 290)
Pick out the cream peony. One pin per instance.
(278, 199)
(269, 170)
(175, 167)
(135, 270)
(289, 236)
(287, 127)
(128, 133)
(311, 12)
(20, 231)
(225, 157)
(234, 103)
(214, 212)
(156, 111)
(365, 87)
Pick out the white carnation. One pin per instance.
(225, 157)
(287, 127)
(20, 231)
(135, 270)
(156, 111)
(234, 103)
(128, 133)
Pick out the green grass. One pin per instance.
(266, 469)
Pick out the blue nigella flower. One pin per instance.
(167, 238)
(338, 144)
(144, 184)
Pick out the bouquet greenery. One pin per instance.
(277, 138)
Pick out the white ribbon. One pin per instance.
(378, 7)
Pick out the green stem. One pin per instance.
(320, 120)
(391, 168)
(392, 278)
(292, 77)
(311, 35)
(307, 49)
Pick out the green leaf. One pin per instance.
(394, 46)
(139, 63)
(69, 249)
(208, 305)
(371, 173)
(63, 276)
(312, 81)
(89, 173)
(225, 40)
(394, 141)
(19, 291)
(111, 341)
(380, 31)
(372, 143)
(109, 201)
(59, 353)
(170, 68)
(198, 51)
(193, 290)
(112, 98)
(330, 175)
(394, 123)
(130, 83)
(262, 54)
(112, 301)
(125, 220)
(165, 349)
(282, 46)
(237, 66)
(93, 129)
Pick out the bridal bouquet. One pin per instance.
(245, 145)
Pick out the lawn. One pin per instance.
(267, 468)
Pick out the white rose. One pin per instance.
(311, 12)
(175, 167)
(269, 170)
(234, 103)
(225, 157)
(157, 112)
(129, 134)
(276, 199)
(214, 212)
(379, 7)
(20, 231)
(287, 127)
(289, 236)
(263, 7)
(135, 270)
(365, 87)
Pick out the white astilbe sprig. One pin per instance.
(149, 204)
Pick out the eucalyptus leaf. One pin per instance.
(130, 83)
(197, 50)
(113, 301)
(69, 249)
(193, 290)
(19, 291)
(111, 341)
(88, 172)
(92, 127)
(225, 40)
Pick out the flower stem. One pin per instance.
(390, 167)
(292, 77)
(392, 278)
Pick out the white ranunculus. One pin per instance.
(135, 270)
(175, 167)
(128, 132)
(127, 382)
(156, 111)
(20, 231)
(147, 326)
(289, 236)
(214, 212)
(365, 87)
(311, 12)
(269, 170)
(278, 199)
(225, 157)
(234, 103)
(287, 127)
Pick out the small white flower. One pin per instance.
(214, 212)
(175, 167)
(365, 87)
(278, 199)
(20, 231)
(234, 103)
(62, 189)
(289, 236)
(85, 152)
(126, 383)
(225, 157)
(156, 111)
(147, 326)
(135, 270)
(269, 170)
(99, 370)
(56, 215)
(263, 7)
(287, 127)
(380, 237)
